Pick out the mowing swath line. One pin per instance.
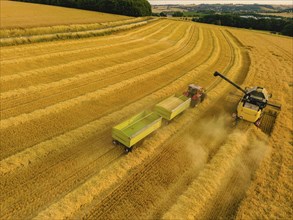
(72, 153)
(76, 83)
(39, 61)
(136, 62)
(77, 102)
(76, 44)
(9, 111)
(23, 155)
(108, 73)
(54, 114)
(56, 29)
(36, 194)
(114, 116)
(78, 63)
(100, 212)
(72, 35)
(88, 48)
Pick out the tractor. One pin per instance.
(196, 93)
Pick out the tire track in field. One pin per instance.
(37, 63)
(80, 66)
(72, 45)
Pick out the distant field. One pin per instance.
(23, 15)
(286, 15)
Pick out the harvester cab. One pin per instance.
(251, 105)
(196, 93)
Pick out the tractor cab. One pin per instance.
(196, 93)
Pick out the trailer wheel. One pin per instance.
(128, 149)
(115, 142)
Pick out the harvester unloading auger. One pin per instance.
(251, 106)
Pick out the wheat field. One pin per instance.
(60, 99)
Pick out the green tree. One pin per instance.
(288, 29)
(178, 14)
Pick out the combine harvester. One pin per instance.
(134, 129)
(251, 106)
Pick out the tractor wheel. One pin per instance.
(203, 96)
(193, 103)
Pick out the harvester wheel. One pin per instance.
(115, 142)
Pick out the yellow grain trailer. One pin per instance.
(135, 129)
(172, 106)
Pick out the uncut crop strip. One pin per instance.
(62, 57)
(26, 32)
(97, 78)
(70, 35)
(13, 54)
(110, 58)
(82, 99)
(73, 197)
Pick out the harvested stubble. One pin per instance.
(58, 160)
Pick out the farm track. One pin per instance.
(58, 160)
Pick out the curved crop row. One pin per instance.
(71, 35)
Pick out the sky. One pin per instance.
(278, 2)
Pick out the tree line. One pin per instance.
(136, 8)
(280, 25)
